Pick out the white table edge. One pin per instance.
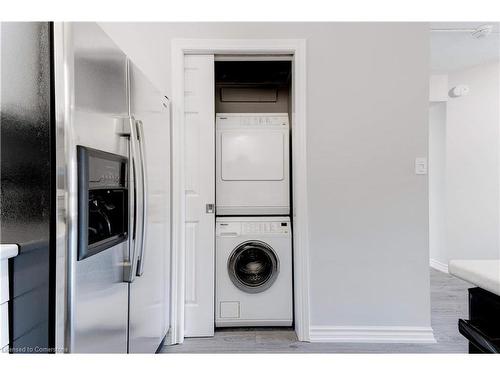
(8, 251)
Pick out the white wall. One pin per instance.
(438, 90)
(472, 165)
(367, 102)
(437, 184)
(464, 176)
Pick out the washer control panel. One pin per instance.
(266, 227)
(234, 229)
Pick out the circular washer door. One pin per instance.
(253, 266)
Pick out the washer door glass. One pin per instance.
(253, 266)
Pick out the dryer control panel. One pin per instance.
(240, 120)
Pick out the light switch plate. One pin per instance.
(420, 165)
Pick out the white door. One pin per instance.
(199, 122)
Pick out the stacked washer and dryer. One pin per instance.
(253, 229)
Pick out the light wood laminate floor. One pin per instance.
(448, 302)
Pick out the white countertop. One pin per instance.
(482, 273)
(8, 251)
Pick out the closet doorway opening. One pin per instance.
(199, 68)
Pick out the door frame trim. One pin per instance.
(297, 48)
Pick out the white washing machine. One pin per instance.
(253, 265)
(252, 164)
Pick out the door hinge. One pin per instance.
(210, 208)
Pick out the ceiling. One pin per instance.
(458, 50)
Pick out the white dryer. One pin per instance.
(252, 164)
(253, 265)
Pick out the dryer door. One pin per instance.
(253, 156)
(253, 266)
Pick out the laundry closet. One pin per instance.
(246, 278)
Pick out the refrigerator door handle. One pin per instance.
(144, 203)
(129, 271)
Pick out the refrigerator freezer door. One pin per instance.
(149, 292)
(97, 82)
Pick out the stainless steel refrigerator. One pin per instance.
(110, 142)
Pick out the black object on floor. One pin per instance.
(483, 327)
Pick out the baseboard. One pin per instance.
(443, 267)
(372, 334)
